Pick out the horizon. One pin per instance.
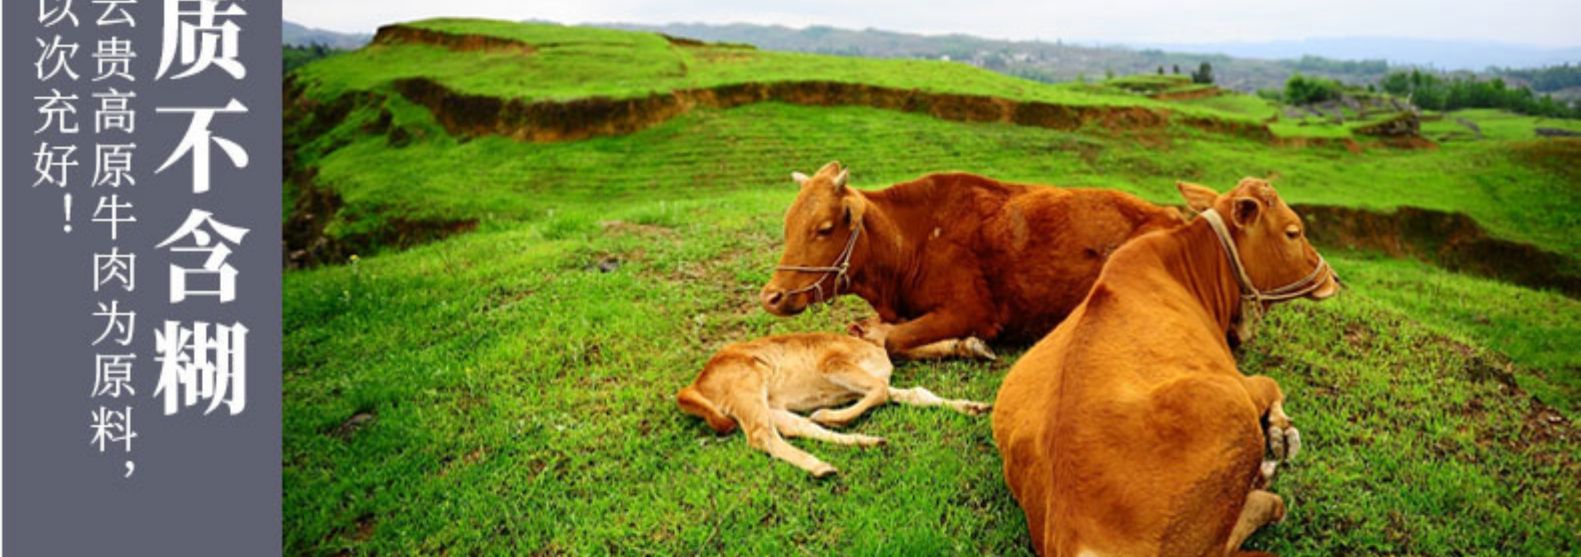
(1535, 24)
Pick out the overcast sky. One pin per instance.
(1550, 23)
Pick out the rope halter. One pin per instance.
(840, 268)
(1251, 298)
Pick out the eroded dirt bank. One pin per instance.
(1450, 240)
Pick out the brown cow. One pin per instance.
(762, 384)
(1129, 430)
(951, 260)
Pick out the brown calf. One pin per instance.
(1129, 430)
(763, 384)
(951, 260)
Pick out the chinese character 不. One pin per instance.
(48, 16)
(115, 59)
(62, 53)
(56, 108)
(50, 168)
(115, 267)
(112, 374)
(197, 139)
(113, 203)
(116, 320)
(214, 264)
(197, 366)
(113, 113)
(201, 44)
(114, 14)
(113, 164)
(112, 426)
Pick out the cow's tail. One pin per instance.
(693, 402)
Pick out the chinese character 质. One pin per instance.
(202, 43)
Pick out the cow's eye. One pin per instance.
(1293, 232)
(826, 229)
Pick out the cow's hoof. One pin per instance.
(1284, 442)
(1266, 474)
(870, 441)
(823, 470)
(976, 408)
(974, 347)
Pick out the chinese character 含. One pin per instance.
(213, 265)
(52, 163)
(61, 53)
(115, 321)
(115, 59)
(56, 108)
(113, 165)
(115, 267)
(113, 112)
(197, 139)
(112, 374)
(197, 366)
(112, 426)
(202, 43)
(112, 203)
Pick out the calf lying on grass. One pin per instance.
(762, 384)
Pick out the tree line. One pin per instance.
(1434, 92)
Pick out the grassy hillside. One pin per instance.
(509, 389)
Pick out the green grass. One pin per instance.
(577, 62)
(1494, 123)
(758, 146)
(522, 402)
(495, 393)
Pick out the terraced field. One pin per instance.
(482, 345)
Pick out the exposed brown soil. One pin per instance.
(1450, 240)
(401, 34)
(307, 244)
(468, 115)
(1406, 124)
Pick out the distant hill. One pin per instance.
(1435, 53)
(293, 34)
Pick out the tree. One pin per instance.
(1300, 89)
(1177, 69)
(1204, 74)
(1160, 70)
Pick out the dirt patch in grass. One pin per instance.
(1451, 240)
(466, 115)
(352, 425)
(459, 42)
(306, 242)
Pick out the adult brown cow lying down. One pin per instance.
(1129, 430)
(949, 261)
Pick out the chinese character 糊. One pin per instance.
(196, 365)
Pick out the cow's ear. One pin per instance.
(839, 181)
(801, 179)
(831, 167)
(854, 206)
(1198, 197)
(1247, 209)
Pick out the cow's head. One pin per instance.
(820, 235)
(1270, 237)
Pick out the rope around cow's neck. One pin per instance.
(1251, 298)
(840, 268)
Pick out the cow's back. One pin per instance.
(1046, 246)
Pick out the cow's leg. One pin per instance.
(969, 347)
(874, 391)
(757, 421)
(918, 396)
(929, 331)
(793, 425)
(1284, 441)
(1261, 508)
